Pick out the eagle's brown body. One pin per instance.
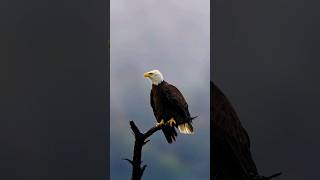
(168, 102)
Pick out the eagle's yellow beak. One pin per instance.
(146, 75)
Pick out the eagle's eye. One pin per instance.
(150, 73)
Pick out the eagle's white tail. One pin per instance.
(185, 128)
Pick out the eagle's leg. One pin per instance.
(160, 123)
(171, 122)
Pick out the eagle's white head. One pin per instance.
(155, 76)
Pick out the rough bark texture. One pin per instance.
(140, 141)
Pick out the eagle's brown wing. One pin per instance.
(175, 97)
(231, 144)
(169, 132)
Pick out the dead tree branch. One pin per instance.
(140, 141)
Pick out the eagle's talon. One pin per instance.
(160, 123)
(171, 122)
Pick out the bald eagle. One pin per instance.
(231, 158)
(169, 107)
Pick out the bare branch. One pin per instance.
(130, 161)
(146, 142)
(143, 168)
(274, 176)
(140, 141)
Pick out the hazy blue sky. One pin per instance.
(172, 36)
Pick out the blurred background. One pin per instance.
(266, 60)
(53, 73)
(172, 36)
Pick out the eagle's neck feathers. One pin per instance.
(157, 80)
(158, 85)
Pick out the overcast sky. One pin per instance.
(172, 36)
